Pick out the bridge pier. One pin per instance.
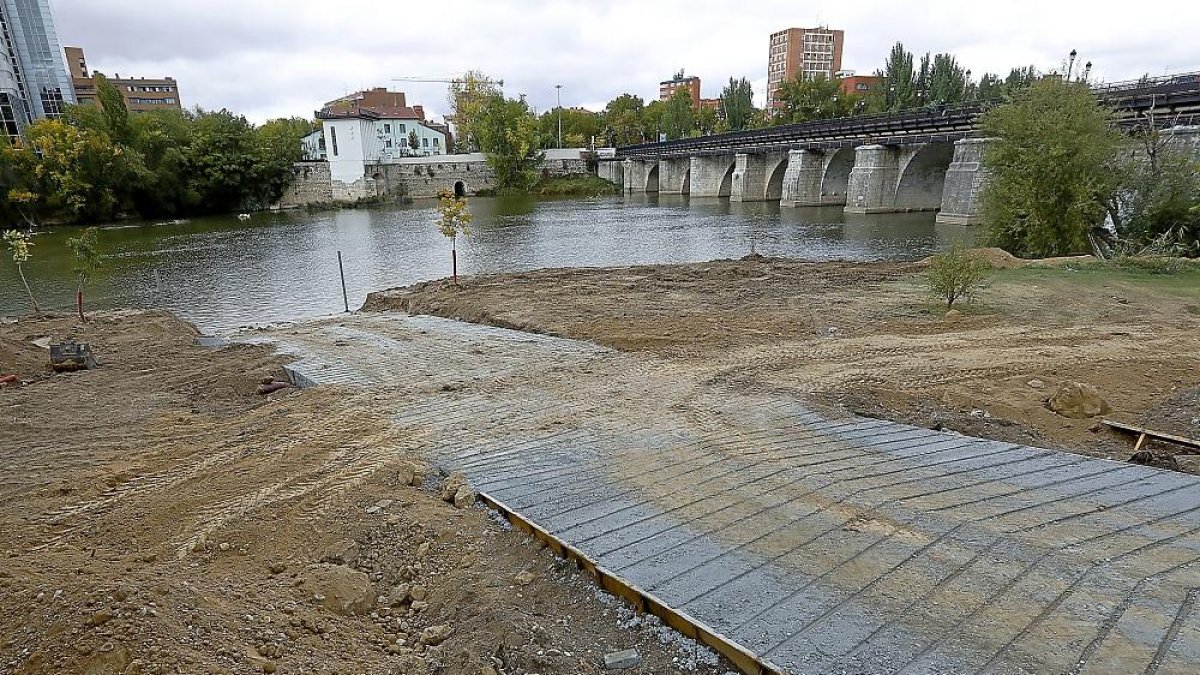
(612, 171)
(674, 176)
(965, 180)
(640, 175)
(712, 176)
(873, 180)
(758, 178)
(802, 180)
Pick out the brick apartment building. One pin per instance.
(802, 51)
(668, 88)
(141, 94)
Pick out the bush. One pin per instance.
(956, 273)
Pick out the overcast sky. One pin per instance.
(271, 58)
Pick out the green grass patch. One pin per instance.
(585, 185)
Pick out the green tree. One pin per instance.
(652, 118)
(578, 127)
(222, 161)
(468, 96)
(1158, 203)
(277, 149)
(19, 246)
(454, 218)
(947, 80)
(707, 121)
(898, 79)
(679, 116)
(737, 101)
(955, 274)
(77, 174)
(113, 110)
(160, 145)
(414, 140)
(87, 261)
(1052, 169)
(624, 119)
(508, 133)
(990, 88)
(803, 99)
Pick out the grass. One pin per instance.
(585, 185)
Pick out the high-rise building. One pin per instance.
(807, 52)
(668, 88)
(33, 76)
(141, 94)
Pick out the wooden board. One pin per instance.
(1143, 433)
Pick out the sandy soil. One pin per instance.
(868, 337)
(158, 516)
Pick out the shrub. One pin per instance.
(956, 273)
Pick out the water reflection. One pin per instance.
(221, 272)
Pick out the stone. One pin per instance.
(341, 590)
(464, 497)
(436, 635)
(1036, 383)
(341, 553)
(451, 485)
(524, 578)
(398, 595)
(1077, 401)
(224, 546)
(953, 316)
(417, 592)
(621, 660)
(422, 551)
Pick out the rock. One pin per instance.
(1077, 401)
(398, 595)
(341, 553)
(464, 497)
(436, 635)
(953, 316)
(200, 544)
(268, 667)
(524, 578)
(100, 618)
(422, 551)
(451, 485)
(621, 660)
(342, 590)
(417, 592)
(224, 546)
(488, 670)
(1036, 383)
(411, 665)
(418, 606)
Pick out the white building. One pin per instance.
(355, 141)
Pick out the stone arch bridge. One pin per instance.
(923, 160)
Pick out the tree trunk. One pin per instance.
(32, 301)
(79, 304)
(454, 264)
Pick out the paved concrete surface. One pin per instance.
(825, 544)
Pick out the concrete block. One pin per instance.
(622, 660)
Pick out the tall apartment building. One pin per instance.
(141, 94)
(668, 88)
(802, 51)
(33, 77)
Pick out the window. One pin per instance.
(388, 143)
(425, 142)
(333, 139)
(403, 130)
(435, 141)
(387, 129)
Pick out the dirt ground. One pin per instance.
(870, 338)
(158, 516)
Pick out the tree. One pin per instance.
(679, 115)
(947, 80)
(652, 118)
(222, 160)
(113, 110)
(277, 149)
(898, 81)
(454, 218)
(87, 261)
(803, 99)
(467, 97)
(737, 100)
(78, 174)
(19, 247)
(624, 117)
(1051, 169)
(508, 133)
(1158, 203)
(707, 121)
(578, 127)
(955, 274)
(414, 141)
(160, 143)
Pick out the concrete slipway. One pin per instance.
(824, 544)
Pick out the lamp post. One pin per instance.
(558, 89)
(1071, 64)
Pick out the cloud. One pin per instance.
(270, 58)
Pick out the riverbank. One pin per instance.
(868, 337)
(157, 515)
(576, 185)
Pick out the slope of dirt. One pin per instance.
(157, 516)
(869, 338)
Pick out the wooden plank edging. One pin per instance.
(746, 661)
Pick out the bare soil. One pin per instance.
(158, 516)
(868, 337)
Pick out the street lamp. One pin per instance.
(558, 88)
(1071, 64)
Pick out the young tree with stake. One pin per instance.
(87, 258)
(19, 244)
(453, 218)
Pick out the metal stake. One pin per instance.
(342, 273)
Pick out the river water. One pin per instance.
(223, 273)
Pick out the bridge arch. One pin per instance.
(923, 177)
(652, 179)
(836, 179)
(774, 186)
(686, 187)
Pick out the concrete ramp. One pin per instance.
(823, 544)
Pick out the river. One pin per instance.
(223, 273)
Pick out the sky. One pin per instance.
(282, 58)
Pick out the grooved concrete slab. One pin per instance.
(825, 544)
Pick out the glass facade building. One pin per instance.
(34, 82)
